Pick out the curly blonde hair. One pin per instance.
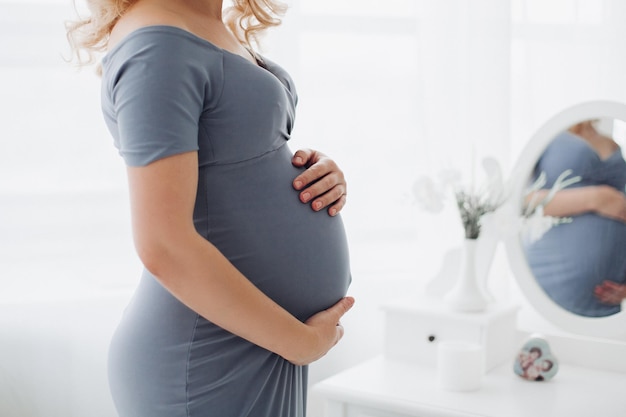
(89, 36)
(247, 19)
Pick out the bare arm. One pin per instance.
(601, 199)
(194, 271)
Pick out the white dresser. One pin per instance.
(385, 388)
(403, 381)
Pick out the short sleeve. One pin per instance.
(155, 97)
(567, 152)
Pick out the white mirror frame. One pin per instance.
(611, 326)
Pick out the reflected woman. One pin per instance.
(581, 264)
(243, 284)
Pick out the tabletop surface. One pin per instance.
(412, 390)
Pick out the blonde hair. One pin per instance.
(247, 19)
(89, 36)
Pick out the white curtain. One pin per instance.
(468, 79)
(564, 52)
(391, 90)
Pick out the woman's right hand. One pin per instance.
(611, 203)
(610, 292)
(322, 184)
(325, 330)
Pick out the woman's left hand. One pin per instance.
(610, 292)
(322, 184)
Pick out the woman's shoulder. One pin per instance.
(168, 40)
(569, 147)
(566, 140)
(143, 56)
(566, 151)
(168, 53)
(151, 32)
(145, 20)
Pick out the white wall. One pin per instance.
(389, 93)
(53, 354)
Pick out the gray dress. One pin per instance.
(164, 92)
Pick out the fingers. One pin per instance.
(336, 312)
(340, 308)
(302, 157)
(621, 211)
(610, 293)
(338, 206)
(340, 332)
(328, 189)
(327, 329)
(322, 184)
(319, 166)
(323, 195)
(607, 298)
(611, 285)
(621, 214)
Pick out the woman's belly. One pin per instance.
(252, 214)
(571, 259)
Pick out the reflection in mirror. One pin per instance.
(575, 205)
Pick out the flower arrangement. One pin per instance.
(481, 208)
(483, 211)
(472, 204)
(534, 222)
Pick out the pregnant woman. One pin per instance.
(581, 264)
(243, 284)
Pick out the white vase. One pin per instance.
(467, 295)
(485, 252)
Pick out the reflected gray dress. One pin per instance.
(166, 91)
(571, 259)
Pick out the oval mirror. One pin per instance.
(570, 257)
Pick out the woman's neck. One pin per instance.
(203, 9)
(603, 145)
(203, 18)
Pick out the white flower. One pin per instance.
(427, 195)
(449, 178)
(502, 223)
(532, 193)
(536, 225)
(494, 189)
(472, 205)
